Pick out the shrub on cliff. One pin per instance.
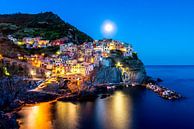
(7, 28)
(134, 55)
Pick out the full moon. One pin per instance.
(108, 28)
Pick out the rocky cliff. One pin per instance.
(135, 74)
(108, 75)
(130, 70)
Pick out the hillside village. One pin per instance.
(71, 60)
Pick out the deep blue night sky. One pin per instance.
(161, 31)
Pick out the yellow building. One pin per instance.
(36, 63)
(78, 69)
(112, 46)
(58, 70)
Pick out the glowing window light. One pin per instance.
(1, 57)
(58, 52)
(20, 43)
(92, 60)
(32, 72)
(63, 71)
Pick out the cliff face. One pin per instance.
(135, 74)
(108, 75)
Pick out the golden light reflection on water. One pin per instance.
(41, 116)
(37, 117)
(121, 110)
(115, 112)
(66, 115)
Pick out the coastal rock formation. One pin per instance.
(134, 74)
(108, 75)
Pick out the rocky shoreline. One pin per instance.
(8, 116)
(163, 92)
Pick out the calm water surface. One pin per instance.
(132, 108)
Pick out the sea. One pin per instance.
(129, 108)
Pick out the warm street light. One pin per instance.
(58, 52)
(118, 64)
(32, 72)
(5, 71)
(48, 74)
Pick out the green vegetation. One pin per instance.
(47, 51)
(9, 49)
(36, 32)
(134, 54)
(7, 28)
(46, 25)
(116, 53)
(126, 59)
